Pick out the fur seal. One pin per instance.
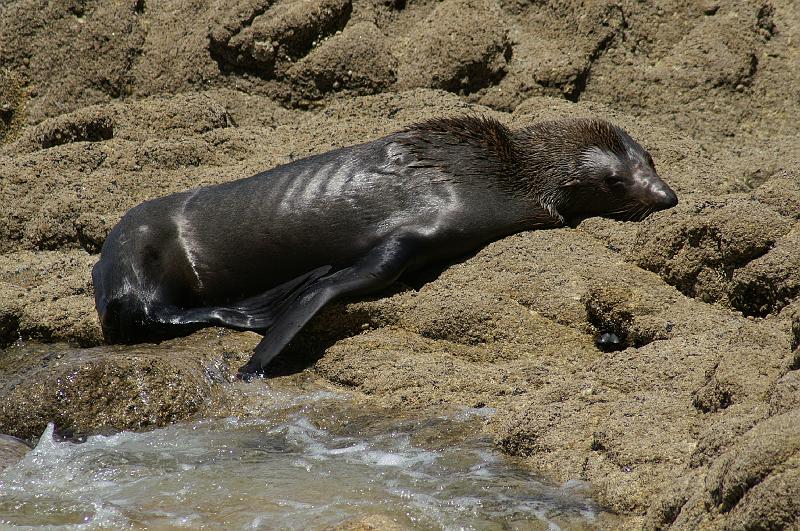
(267, 252)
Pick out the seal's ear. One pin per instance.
(570, 183)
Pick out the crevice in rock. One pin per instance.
(92, 130)
(611, 316)
(9, 328)
(88, 242)
(710, 399)
(579, 85)
(794, 364)
(6, 113)
(281, 39)
(760, 299)
(765, 22)
(609, 324)
(480, 75)
(745, 79)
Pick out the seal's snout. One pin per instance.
(110, 321)
(662, 196)
(650, 190)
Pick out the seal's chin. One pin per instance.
(636, 212)
(574, 221)
(629, 212)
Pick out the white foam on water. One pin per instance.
(359, 447)
(280, 471)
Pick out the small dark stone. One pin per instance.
(6, 113)
(609, 342)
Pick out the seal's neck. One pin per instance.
(541, 161)
(528, 164)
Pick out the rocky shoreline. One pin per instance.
(695, 424)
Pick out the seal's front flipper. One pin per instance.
(254, 313)
(379, 268)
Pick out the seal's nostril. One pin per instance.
(670, 199)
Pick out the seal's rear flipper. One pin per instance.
(254, 313)
(379, 268)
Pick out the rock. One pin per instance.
(460, 47)
(47, 296)
(770, 282)
(12, 105)
(714, 53)
(12, 450)
(70, 55)
(781, 192)
(767, 451)
(785, 396)
(554, 56)
(274, 37)
(122, 388)
(664, 428)
(357, 61)
(700, 252)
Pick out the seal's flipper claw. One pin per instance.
(264, 353)
(247, 373)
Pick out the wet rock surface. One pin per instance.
(691, 421)
(114, 388)
(369, 523)
(12, 449)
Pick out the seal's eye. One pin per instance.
(615, 181)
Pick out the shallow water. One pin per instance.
(316, 460)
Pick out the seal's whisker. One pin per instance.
(632, 214)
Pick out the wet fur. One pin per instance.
(350, 221)
(532, 163)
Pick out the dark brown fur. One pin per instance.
(540, 162)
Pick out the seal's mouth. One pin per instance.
(112, 323)
(631, 211)
(637, 212)
(650, 194)
(123, 320)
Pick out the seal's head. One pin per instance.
(588, 167)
